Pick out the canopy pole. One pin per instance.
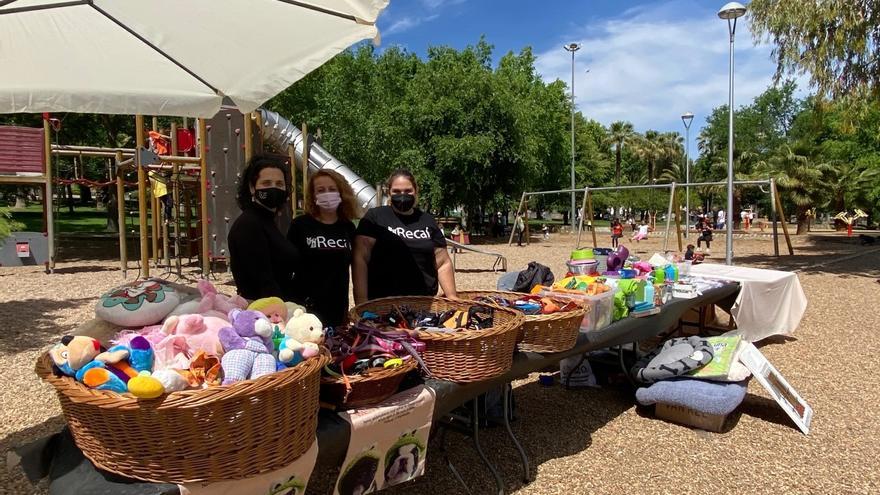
(522, 201)
(291, 152)
(773, 217)
(782, 216)
(305, 166)
(248, 137)
(669, 217)
(590, 213)
(203, 189)
(175, 198)
(581, 223)
(142, 196)
(47, 199)
(120, 215)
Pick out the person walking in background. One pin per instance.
(721, 218)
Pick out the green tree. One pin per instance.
(836, 41)
(619, 133)
(799, 177)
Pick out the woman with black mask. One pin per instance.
(399, 249)
(262, 260)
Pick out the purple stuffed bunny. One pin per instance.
(247, 346)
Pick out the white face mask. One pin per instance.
(328, 200)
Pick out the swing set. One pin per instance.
(672, 214)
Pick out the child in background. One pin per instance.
(642, 234)
(616, 232)
(546, 230)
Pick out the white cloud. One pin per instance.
(434, 4)
(651, 64)
(406, 23)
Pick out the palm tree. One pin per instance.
(649, 149)
(797, 177)
(618, 134)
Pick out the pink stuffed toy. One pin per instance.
(179, 339)
(212, 303)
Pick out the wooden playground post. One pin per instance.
(677, 210)
(526, 225)
(203, 190)
(291, 153)
(518, 210)
(120, 214)
(773, 217)
(590, 213)
(305, 166)
(577, 244)
(668, 217)
(47, 199)
(142, 196)
(784, 220)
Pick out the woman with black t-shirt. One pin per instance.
(262, 260)
(399, 250)
(324, 236)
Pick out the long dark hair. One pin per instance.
(402, 172)
(252, 171)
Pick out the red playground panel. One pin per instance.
(21, 150)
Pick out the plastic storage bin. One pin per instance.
(601, 312)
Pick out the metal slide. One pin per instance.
(280, 132)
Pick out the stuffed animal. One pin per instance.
(82, 358)
(211, 303)
(247, 345)
(138, 303)
(202, 332)
(304, 333)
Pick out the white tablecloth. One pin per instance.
(770, 302)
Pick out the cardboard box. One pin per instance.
(689, 417)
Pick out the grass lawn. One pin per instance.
(83, 219)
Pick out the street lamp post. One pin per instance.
(730, 12)
(572, 47)
(687, 118)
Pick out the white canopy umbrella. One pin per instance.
(167, 57)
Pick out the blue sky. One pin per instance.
(648, 61)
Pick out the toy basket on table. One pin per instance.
(554, 332)
(463, 356)
(213, 434)
(370, 387)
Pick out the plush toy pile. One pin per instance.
(530, 304)
(168, 345)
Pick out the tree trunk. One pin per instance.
(617, 167)
(85, 195)
(801, 221)
(69, 190)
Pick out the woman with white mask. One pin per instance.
(324, 238)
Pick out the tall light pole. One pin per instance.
(730, 12)
(687, 118)
(572, 47)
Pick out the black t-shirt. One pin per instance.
(262, 260)
(321, 284)
(402, 262)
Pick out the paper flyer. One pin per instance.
(289, 480)
(786, 396)
(388, 442)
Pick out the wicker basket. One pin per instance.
(219, 433)
(374, 385)
(464, 356)
(556, 332)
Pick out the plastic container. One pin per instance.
(582, 267)
(601, 255)
(601, 307)
(684, 268)
(582, 254)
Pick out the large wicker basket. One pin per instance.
(374, 385)
(556, 332)
(219, 433)
(464, 356)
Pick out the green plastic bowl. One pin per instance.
(582, 254)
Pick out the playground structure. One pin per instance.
(202, 176)
(673, 212)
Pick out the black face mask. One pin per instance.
(403, 202)
(271, 197)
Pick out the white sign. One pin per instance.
(785, 395)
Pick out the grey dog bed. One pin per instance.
(673, 358)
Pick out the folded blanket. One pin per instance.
(706, 397)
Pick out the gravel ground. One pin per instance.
(588, 441)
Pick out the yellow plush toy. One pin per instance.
(144, 386)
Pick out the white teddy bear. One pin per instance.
(303, 335)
